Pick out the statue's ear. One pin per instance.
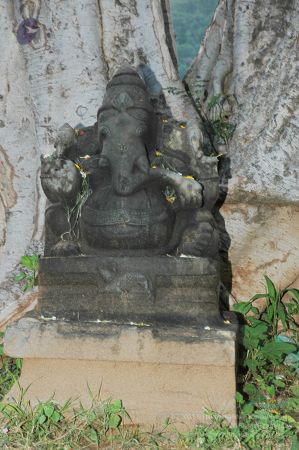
(98, 135)
(154, 135)
(98, 117)
(148, 76)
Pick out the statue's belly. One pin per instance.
(142, 220)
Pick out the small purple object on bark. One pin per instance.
(27, 31)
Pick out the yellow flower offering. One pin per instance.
(170, 198)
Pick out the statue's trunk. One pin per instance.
(129, 170)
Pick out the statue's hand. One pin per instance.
(189, 192)
(66, 138)
(60, 179)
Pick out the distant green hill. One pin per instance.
(190, 20)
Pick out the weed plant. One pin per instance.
(10, 370)
(27, 277)
(269, 363)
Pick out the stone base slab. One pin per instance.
(32, 337)
(150, 392)
(173, 372)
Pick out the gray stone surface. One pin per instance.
(32, 337)
(158, 289)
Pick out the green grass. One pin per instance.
(50, 426)
(106, 424)
(10, 370)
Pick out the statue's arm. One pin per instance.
(188, 190)
(60, 179)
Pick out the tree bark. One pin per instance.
(249, 54)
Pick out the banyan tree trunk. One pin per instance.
(60, 76)
(248, 56)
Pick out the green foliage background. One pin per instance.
(190, 20)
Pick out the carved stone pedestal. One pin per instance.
(158, 372)
(156, 289)
(146, 330)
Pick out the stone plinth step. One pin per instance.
(158, 373)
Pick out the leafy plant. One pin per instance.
(267, 375)
(24, 424)
(220, 127)
(276, 309)
(47, 425)
(266, 431)
(10, 370)
(28, 276)
(261, 430)
(216, 122)
(217, 435)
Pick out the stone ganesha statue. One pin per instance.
(108, 194)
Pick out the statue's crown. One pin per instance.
(125, 76)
